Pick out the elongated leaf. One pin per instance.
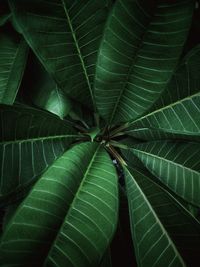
(70, 215)
(180, 119)
(175, 164)
(164, 233)
(184, 82)
(139, 51)
(151, 134)
(13, 54)
(65, 35)
(30, 140)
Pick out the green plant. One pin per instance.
(126, 127)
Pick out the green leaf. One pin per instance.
(54, 101)
(30, 141)
(177, 165)
(140, 48)
(184, 82)
(65, 35)
(13, 55)
(69, 217)
(44, 92)
(93, 132)
(177, 120)
(164, 233)
(81, 114)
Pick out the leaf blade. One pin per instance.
(172, 163)
(159, 240)
(128, 82)
(180, 228)
(14, 51)
(74, 29)
(177, 120)
(30, 141)
(56, 223)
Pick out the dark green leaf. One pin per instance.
(13, 54)
(140, 48)
(65, 35)
(44, 92)
(30, 140)
(175, 164)
(164, 233)
(93, 132)
(69, 217)
(184, 82)
(106, 260)
(177, 120)
(4, 12)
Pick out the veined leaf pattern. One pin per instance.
(160, 225)
(13, 54)
(177, 120)
(128, 81)
(115, 72)
(65, 35)
(72, 221)
(175, 164)
(30, 141)
(177, 110)
(184, 82)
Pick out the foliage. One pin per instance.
(100, 133)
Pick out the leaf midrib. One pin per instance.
(164, 108)
(79, 51)
(164, 130)
(156, 217)
(131, 67)
(39, 139)
(74, 199)
(167, 160)
(175, 201)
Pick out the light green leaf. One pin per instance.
(13, 55)
(65, 35)
(164, 233)
(177, 120)
(140, 48)
(30, 141)
(177, 165)
(69, 217)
